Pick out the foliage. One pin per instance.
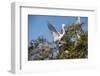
(77, 48)
(74, 48)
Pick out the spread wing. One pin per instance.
(52, 29)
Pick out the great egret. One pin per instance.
(57, 36)
(78, 21)
(78, 36)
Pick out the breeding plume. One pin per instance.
(57, 36)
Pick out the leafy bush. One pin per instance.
(74, 48)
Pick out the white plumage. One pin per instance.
(78, 21)
(78, 36)
(56, 35)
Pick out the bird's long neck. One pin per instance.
(63, 30)
(78, 20)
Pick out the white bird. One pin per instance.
(66, 51)
(56, 35)
(78, 36)
(78, 21)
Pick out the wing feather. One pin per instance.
(52, 28)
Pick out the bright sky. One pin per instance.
(38, 25)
